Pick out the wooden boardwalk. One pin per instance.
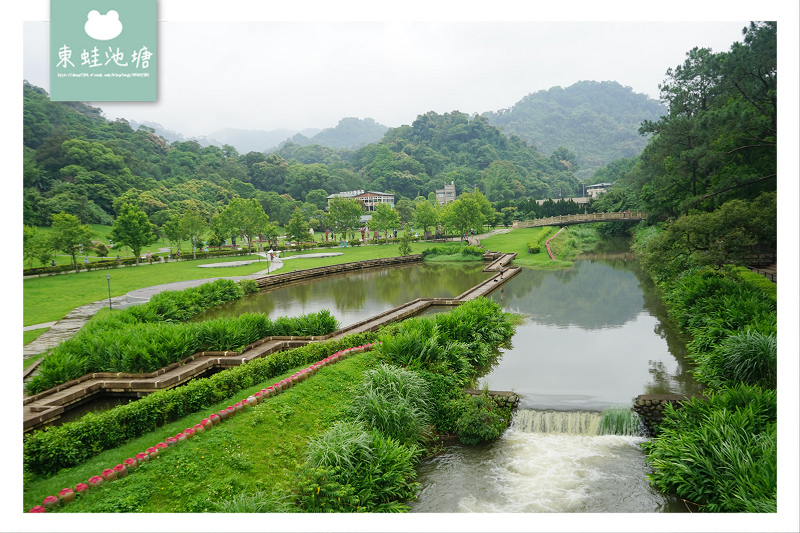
(568, 220)
(48, 406)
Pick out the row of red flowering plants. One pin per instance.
(547, 244)
(68, 494)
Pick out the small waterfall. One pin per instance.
(558, 422)
(615, 420)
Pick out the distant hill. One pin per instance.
(350, 133)
(597, 121)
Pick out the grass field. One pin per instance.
(244, 453)
(49, 298)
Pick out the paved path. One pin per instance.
(74, 320)
(68, 326)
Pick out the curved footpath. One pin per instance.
(74, 320)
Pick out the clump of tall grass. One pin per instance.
(394, 402)
(360, 471)
(719, 453)
(146, 347)
(258, 501)
(619, 420)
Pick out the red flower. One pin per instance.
(50, 502)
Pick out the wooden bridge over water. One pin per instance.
(582, 218)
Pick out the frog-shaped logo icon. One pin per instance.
(103, 27)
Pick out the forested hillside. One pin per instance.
(78, 162)
(598, 121)
(350, 132)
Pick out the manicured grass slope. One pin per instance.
(258, 449)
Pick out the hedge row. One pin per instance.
(54, 448)
(145, 337)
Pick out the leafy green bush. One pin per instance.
(147, 346)
(249, 286)
(481, 421)
(750, 357)
(71, 443)
(720, 453)
(447, 401)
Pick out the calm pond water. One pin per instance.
(594, 336)
(354, 297)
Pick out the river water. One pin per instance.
(594, 336)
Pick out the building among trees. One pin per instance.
(370, 199)
(446, 195)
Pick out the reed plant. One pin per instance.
(146, 347)
(394, 402)
(374, 473)
(619, 420)
(721, 452)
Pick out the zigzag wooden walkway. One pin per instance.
(48, 406)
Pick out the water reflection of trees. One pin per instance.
(590, 295)
(356, 290)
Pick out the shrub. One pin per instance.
(481, 421)
(750, 357)
(249, 286)
(719, 453)
(71, 443)
(373, 473)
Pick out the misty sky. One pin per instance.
(263, 74)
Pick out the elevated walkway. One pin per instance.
(48, 406)
(585, 218)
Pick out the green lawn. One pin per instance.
(49, 298)
(243, 454)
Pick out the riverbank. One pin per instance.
(720, 453)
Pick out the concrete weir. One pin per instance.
(48, 406)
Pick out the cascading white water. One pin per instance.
(566, 422)
(547, 461)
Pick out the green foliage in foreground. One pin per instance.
(153, 335)
(47, 451)
(377, 428)
(365, 470)
(720, 453)
(481, 420)
(254, 453)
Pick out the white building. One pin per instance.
(370, 199)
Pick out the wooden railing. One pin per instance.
(583, 218)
